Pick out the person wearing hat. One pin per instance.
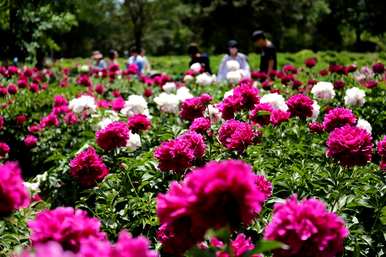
(197, 57)
(236, 56)
(99, 62)
(268, 61)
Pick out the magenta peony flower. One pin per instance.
(88, 168)
(194, 107)
(12, 89)
(147, 92)
(114, 135)
(264, 185)
(127, 246)
(22, 83)
(371, 84)
(216, 195)
(84, 80)
(30, 141)
(339, 84)
(34, 87)
(279, 116)
(70, 118)
(4, 149)
(179, 154)
(261, 113)
(90, 247)
(378, 68)
(310, 62)
(316, 127)
(201, 125)
(118, 103)
(13, 194)
(64, 225)
(248, 95)
(300, 105)
(100, 89)
(307, 227)
(49, 249)
(381, 147)
(350, 145)
(60, 100)
(242, 244)
(50, 120)
(138, 123)
(229, 106)
(338, 117)
(236, 135)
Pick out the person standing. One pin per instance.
(235, 56)
(268, 61)
(197, 57)
(136, 58)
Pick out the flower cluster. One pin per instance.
(337, 118)
(216, 195)
(13, 194)
(350, 145)
(307, 228)
(88, 168)
(180, 153)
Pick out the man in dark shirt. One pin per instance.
(268, 61)
(197, 57)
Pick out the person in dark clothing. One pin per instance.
(268, 61)
(197, 57)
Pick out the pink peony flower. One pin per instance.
(22, 83)
(30, 141)
(279, 116)
(264, 185)
(127, 246)
(90, 247)
(34, 87)
(236, 135)
(100, 89)
(378, 68)
(194, 107)
(371, 84)
(381, 147)
(70, 118)
(201, 125)
(84, 80)
(261, 113)
(247, 94)
(114, 135)
(216, 195)
(88, 168)
(138, 123)
(316, 127)
(147, 92)
(300, 105)
(4, 149)
(12, 89)
(307, 227)
(118, 103)
(310, 62)
(50, 120)
(179, 154)
(350, 145)
(49, 249)
(241, 245)
(60, 100)
(64, 225)
(338, 117)
(13, 194)
(229, 106)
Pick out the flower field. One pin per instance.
(107, 163)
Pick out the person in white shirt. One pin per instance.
(136, 58)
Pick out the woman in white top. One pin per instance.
(233, 55)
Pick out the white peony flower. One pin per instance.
(277, 101)
(234, 76)
(183, 93)
(364, 124)
(136, 104)
(168, 103)
(84, 68)
(315, 110)
(213, 113)
(323, 90)
(188, 78)
(354, 97)
(134, 142)
(204, 79)
(83, 103)
(196, 67)
(233, 65)
(104, 122)
(169, 87)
